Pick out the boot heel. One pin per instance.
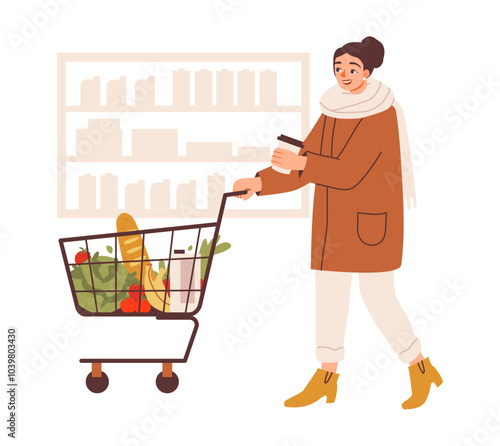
(438, 380)
(330, 399)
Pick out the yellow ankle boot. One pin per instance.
(422, 375)
(322, 384)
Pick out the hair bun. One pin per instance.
(376, 50)
(370, 51)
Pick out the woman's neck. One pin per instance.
(359, 89)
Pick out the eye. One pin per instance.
(338, 69)
(353, 71)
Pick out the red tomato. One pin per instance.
(82, 256)
(145, 306)
(133, 291)
(131, 305)
(127, 305)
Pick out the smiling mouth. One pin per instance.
(347, 82)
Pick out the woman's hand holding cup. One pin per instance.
(286, 159)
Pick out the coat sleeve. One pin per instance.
(276, 183)
(356, 160)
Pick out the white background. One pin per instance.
(436, 54)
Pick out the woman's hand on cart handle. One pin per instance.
(251, 185)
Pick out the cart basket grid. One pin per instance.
(156, 297)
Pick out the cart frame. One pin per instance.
(167, 381)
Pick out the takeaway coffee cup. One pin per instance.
(294, 145)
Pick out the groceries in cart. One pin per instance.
(121, 278)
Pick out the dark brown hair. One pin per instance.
(370, 51)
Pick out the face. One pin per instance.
(349, 72)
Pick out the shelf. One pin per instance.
(174, 213)
(190, 109)
(76, 159)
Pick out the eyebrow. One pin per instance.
(354, 63)
(337, 62)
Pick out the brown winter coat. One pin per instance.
(357, 223)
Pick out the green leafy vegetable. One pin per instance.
(205, 252)
(104, 278)
(222, 247)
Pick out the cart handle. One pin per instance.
(221, 210)
(234, 194)
(217, 228)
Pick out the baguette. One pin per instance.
(131, 248)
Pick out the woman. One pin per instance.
(354, 156)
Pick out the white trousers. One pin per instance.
(377, 290)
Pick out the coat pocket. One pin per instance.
(372, 228)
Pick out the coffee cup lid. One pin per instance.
(292, 141)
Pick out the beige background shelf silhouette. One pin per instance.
(224, 89)
(102, 141)
(88, 193)
(116, 93)
(144, 93)
(90, 93)
(160, 196)
(246, 89)
(203, 89)
(209, 151)
(186, 198)
(154, 145)
(195, 88)
(109, 192)
(135, 197)
(268, 88)
(181, 89)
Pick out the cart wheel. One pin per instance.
(167, 384)
(97, 384)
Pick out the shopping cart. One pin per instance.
(106, 306)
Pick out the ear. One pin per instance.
(366, 74)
